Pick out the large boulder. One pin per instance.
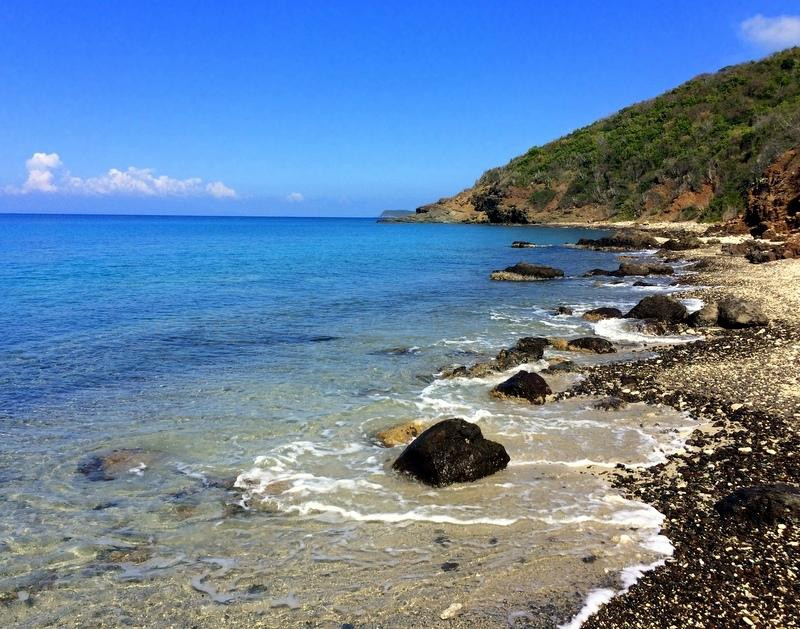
(452, 451)
(524, 272)
(739, 313)
(762, 504)
(591, 344)
(660, 308)
(523, 384)
(598, 314)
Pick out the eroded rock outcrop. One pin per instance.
(774, 201)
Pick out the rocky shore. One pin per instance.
(731, 567)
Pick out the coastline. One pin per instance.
(742, 385)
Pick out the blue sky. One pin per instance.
(327, 108)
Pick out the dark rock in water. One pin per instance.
(598, 314)
(738, 313)
(533, 346)
(524, 384)
(762, 504)
(611, 403)
(563, 310)
(707, 315)
(591, 344)
(527, 349)
(633, 268)
(452, 451)
(522, 244)
(660, 308)
(627, 240)
(642, 283)
(523, 272)
(322, 339)
(109, 466)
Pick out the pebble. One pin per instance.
(451, 611)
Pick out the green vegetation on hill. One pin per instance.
(711, 137)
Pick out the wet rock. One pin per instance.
(110, 465)
(399, 434)
(563, 310)
(611, 403)
(762, 504)
(524, 272)
(451, 451)
(558, 343)
(622, 240)
(642, 283)
(598, 314)
(591, 344)
(706, 316)
(523, 384)
(660, 308)
(522, 244)
(651, 327)
(739, 313)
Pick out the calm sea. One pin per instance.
(270, 350)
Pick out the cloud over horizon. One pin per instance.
(772, 33)
(295, 197)
(47, 174)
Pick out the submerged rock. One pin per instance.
(660, 308)
(109, 466)
(739, 313)
(522, 244)
(399, 434)
(611, 403)
(642, 283)
(591, 344)
(762, 504)
(526, 385)
(598, 314)
(452, 451)
(524, 272)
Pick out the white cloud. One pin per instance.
(772, 33)
(46, 173)
(294, 197)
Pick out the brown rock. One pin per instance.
(774, 200)
(399, 434)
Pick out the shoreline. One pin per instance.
(742, 386)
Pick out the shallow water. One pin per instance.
(270, 350)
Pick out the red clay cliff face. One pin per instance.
(774, 201)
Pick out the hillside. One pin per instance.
(691, 153)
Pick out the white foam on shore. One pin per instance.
(618, 330)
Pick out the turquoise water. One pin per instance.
(269, 350)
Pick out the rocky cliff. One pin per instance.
(692, 153)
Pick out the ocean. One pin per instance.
(268, 351)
